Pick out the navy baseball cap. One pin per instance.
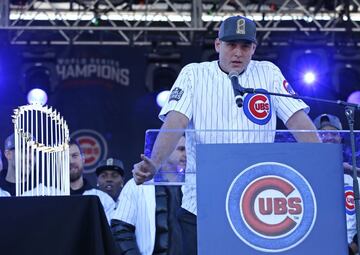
(10, 142)
(327, 120)
(110, 164)
(237, 28)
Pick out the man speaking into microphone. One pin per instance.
(203, 98)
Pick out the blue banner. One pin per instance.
(271, 198)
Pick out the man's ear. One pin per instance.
(82, 157)
(254, 47)
(217, 45)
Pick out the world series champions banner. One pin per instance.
(102, 94)
(283, 198)
(96, 92)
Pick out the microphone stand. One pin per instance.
(350, 109)
(350, 113)
(295, 96)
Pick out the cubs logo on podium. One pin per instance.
(93, 146)
(257, 108)
(271, 207)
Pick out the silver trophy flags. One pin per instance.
(41, 152)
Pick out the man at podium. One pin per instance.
(203, 98)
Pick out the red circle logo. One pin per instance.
(93, 145)
(349, 200)
(259, 106)
(272, 206)
(91, 149)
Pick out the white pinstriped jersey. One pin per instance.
(137, 206)
(203, 92)
(350, 212)
(107, 202)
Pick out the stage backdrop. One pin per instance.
(101, 92)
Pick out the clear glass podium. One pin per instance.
(263, 191)
(176, 175)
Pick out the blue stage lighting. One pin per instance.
(354, 97)
(310, 68)
(37, 84)
(309, 77)
(162, 97)
(37, 96)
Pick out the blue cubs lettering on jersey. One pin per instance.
(271, 207)
(257, 108)
(94, 147)
(349, 200)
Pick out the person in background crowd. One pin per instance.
(110, 177)
(3, 193)
(145, 221)
(331, 123)
(7, 176)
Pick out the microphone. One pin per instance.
(238, 89)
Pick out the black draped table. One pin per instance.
(54, 225)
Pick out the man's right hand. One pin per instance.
(144, 170)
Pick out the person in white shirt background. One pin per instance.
(332, 123)
(145, 221)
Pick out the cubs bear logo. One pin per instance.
(288, 88)
(93, 146)
(271, 207)
(257, 108)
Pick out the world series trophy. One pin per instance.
(41, 152)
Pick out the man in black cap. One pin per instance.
(208, 96)
(328, 122)
(110, 174)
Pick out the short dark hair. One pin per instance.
(72, 141)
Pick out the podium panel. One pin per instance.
(270, 198)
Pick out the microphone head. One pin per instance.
(233, 74)
(239, 101)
